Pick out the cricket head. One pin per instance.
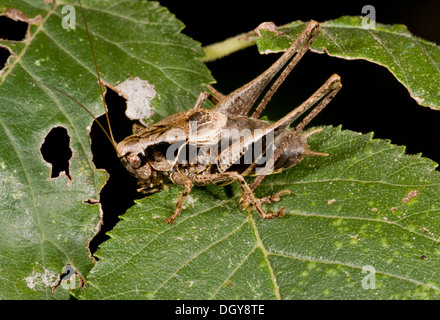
(135, 160)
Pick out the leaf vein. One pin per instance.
(198, 254)
(361, 160)
(376, 37)
(179, 221)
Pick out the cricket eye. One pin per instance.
(135, 161)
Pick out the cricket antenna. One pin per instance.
(78, 103)
(110, 136)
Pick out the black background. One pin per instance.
(371, 99)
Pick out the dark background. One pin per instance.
(371, 98)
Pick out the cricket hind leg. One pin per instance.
(324, 95)
(240, 101)
(205, 179)
(306, 38)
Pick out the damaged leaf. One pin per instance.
(139, 95)
(46, 223)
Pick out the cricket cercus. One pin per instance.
(225, 144)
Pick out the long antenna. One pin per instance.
(77, 102)
(99, 77)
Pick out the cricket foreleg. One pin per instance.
(205, 179)
(181, 179)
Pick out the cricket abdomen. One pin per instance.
(293, 150)
(288, 150)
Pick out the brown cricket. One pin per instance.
(164, 148)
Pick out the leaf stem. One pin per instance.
(226, 47)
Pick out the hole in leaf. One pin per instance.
(4, 55)
(56, 151)
(120, 191)
(12, 30)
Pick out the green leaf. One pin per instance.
(367, 205)
(44, 224)
(415, 62)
